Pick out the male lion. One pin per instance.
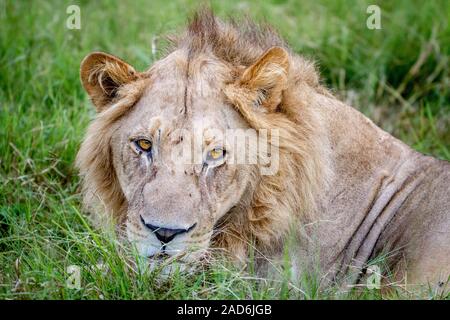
(346, 190)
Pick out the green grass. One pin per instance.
(399, 76)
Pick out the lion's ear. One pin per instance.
(102, 75)
(267, 77)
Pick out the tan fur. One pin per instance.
(341, 182)
(103, 194)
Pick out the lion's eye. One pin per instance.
(144, 144)
(215, 155)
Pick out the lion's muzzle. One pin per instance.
(165, 235)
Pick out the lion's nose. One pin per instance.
(165, 235)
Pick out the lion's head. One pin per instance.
(218, 77)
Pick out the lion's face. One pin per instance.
(162, 154)
(172, 161)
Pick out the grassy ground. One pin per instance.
(398, 75)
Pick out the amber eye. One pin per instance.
(215, 155)
(144, 144)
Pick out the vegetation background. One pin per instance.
(398, 76)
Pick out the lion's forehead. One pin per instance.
(155, 111)
(178, 74)
(185, 92)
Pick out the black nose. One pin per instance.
(165, 235)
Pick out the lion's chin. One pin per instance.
(164, 265)
(165, 270)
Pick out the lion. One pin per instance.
(344, 191)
